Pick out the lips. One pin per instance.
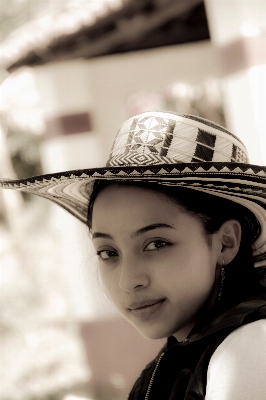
(136, 305)
(147, 310)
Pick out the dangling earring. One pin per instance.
(222, 281)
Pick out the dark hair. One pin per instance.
(212, 211)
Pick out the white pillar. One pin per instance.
(238, 31)
(71, 142)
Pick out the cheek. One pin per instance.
(203, 254)
(191, 259)
(109, 281)
(195, 267)
(105, 278)
(203, 273)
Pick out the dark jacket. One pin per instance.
(179, 372)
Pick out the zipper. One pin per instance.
(152, 377)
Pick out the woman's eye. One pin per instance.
(106, 254)
(156, 245)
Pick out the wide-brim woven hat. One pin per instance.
(169, 149)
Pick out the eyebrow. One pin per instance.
(150, 228)
(97, 235)
(140, 231)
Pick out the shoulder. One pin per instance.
(237, 367)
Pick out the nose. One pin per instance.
(133, 275)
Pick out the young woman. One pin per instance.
(178, 222)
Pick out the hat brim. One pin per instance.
(242, 183)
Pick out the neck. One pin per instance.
(182, 334)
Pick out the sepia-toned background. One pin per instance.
(71, 71)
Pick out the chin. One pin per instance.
(154, 334)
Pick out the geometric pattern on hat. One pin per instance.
(168, 149)
(156, 138)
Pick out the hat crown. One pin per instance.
(159, 137)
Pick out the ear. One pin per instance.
(230, 237)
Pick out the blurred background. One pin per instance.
(71, 71)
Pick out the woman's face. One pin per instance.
(155, 261)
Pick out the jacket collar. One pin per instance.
(248, 311)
